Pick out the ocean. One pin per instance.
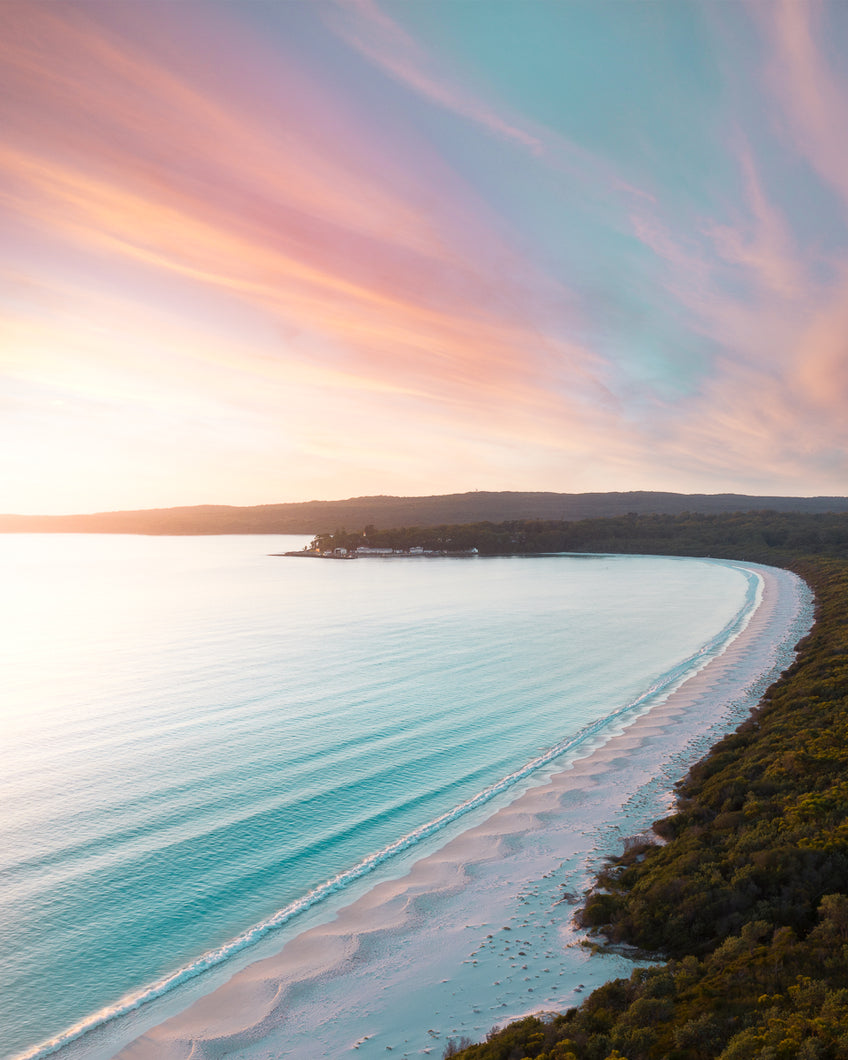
(201, 743)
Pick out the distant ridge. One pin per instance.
(313, 517)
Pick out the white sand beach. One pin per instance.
(481, 931)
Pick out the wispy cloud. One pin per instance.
(761, 241)
(366, 27)
(226, 233)
(295, 230)
(812, 96)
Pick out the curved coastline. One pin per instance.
(417, 960)
(88, 1037)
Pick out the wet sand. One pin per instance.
(481, 931)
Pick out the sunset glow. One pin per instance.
(255, 253)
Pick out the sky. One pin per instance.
(255, 252)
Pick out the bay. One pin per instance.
(195, 735)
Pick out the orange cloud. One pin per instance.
(821, 370)
(95, 96)
(304, 234)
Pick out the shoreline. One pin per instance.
(470, 935)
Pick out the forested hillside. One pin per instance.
(314, 517)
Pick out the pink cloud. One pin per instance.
(99, 95)
(821, 367)
(772, 404)
(812, 96)
(762, 243)
(376, 296)
(357, 276)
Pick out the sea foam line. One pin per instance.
(664, 686)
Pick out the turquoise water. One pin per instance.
(198, 740)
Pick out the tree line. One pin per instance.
(768, 537)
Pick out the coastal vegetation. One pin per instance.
(761, 536)
(743, 897)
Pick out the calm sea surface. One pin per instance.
(198, 739)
